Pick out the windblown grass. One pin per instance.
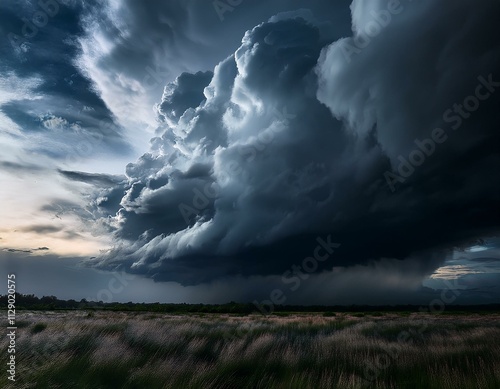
(344, 351)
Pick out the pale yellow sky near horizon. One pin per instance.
(64, 234)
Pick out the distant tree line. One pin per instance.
(32, 302)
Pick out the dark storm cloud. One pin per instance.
(15, 167)
(42, 228)
(292, 138)
(135, 48)
(61, 209)
(92, 178)
(256, 146)
(186, 92)
(186, 34)
(19, 251)
(402, 86)
(28, 251)
(60, 230)
(382, 283)
(41, 43)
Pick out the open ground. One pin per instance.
(102, 349)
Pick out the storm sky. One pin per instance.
(299, 152)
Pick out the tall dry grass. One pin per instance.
(148, 351)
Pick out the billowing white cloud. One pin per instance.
(134, 48)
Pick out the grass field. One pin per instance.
(77, 349)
